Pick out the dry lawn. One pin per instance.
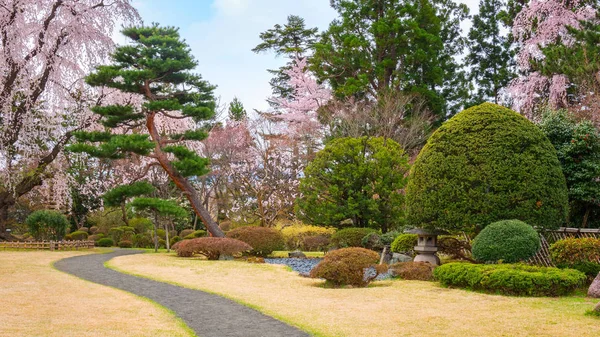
(387, 308)
(38, 300)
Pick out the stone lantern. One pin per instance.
(427, 245)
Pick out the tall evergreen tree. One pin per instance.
(490, 57)
(292, 40)
(399, 45)
(236, 110)
(156, 66)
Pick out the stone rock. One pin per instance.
(594, 290)
(597, 308)
(397, 257)
(297, 254)
(225, 257)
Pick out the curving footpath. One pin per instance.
(207, 314)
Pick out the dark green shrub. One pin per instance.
(142, 241)
(105, 242)
(174, 240)
(376, 241)
(68, 237)
(122, 233)
(346, 266)
(486, 164)
(405, 243)
(211, 247)
(161, 233)
(47, 225)
(79, 235)
(84, 229)
(350, 237)
(362, 179)
(195, 234)
(582, 254)
(508, 240)
(141, 225)
(262, 240)
(125, 244)
(420, 271)
(510, 279)
(162, 243)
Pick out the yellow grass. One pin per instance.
(38, 300)
(387, 308)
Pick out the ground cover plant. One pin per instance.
(38, 300)
(511, 279)
(329, 312)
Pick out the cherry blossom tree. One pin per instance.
(47, 47)
(540, 23)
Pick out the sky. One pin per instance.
(221, 34)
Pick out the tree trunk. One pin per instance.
(181, 182)
(124, 214)
(585, 217)
(167, 237)
(155, 233)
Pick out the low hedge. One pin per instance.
(105, 242)
(194, 234)
(212, 248)
(582, 254)
(405, 243)
(79, 235)
(350, 237)
(510, 279)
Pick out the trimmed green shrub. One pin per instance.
(486, 164)
(362, 179)
(105, 242)
(405, 243)
(295, 235)
(582, 254)
(47, 225)
(125, 244)
(510, 279)
(161, 233)
(93, 230)
(346, 266)
(174, 240)
(79, 235)
(350, 237)
(195, 234)
(162, 243)
(211, 247)
(96, 237)
(142, 241)
(263, 240)
(122, 233)
(508, 240)
(68, 237)
(84, 229)
(419, 271)
(185, 232)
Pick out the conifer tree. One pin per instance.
(236, 110)
(155, 67)
(292, 40)
(118, 196)
(490, 56)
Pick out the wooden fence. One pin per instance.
(542, 258)
(48, 245)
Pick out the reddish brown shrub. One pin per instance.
(262, 239)
(421, 271)
(347, 267)
(315, 243)
(210, 247)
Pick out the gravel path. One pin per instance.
(208, 315)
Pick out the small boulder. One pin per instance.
(597, 308)
(397, 257)
(297, 254)
(594, 290)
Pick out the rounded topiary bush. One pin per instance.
(486, 164)
(350, 237)
(105, 242)
(79, 235)
(47, 225)
(405, 243)
(346, 266)
(185, 232)
(263, 240)
(195, 234)
(507, 240)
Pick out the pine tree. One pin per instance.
(118, 196)
(292, 40)
(378, 46)
(156, 66)
(236, 110)
(490, 56)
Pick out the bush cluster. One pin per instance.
(105, 242)
(263, 240)
(510, 279)
(211, 247)
(508, 241)
(420, 271)
(486, 164)
(405, 243)
(350, 237)
(125, 244)
(347, 266)
(79, 235)
(295, 236)
(582, 254)
(142, 241)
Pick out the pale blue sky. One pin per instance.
(222, 33)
